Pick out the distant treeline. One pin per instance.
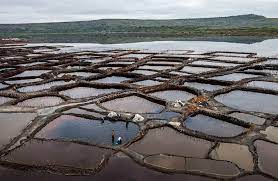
(243, 25)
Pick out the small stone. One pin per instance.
(112, 114)
(138, 118)
(178, 104)
(177, 124)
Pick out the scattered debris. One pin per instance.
(176, 124)
(138, 118)
(178, 104)
(112, 115)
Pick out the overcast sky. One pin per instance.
(25, 11)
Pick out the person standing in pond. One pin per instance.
(113, 136)
(119, 141)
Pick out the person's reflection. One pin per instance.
(126, 124)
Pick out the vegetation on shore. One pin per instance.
(243, 25)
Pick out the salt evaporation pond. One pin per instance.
(250, 101)
(212, 126)
(92, 131)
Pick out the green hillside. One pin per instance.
(243, 25)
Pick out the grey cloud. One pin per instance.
(23, 11)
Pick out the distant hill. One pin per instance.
(242, 25)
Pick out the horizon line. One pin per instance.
(138, 19)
